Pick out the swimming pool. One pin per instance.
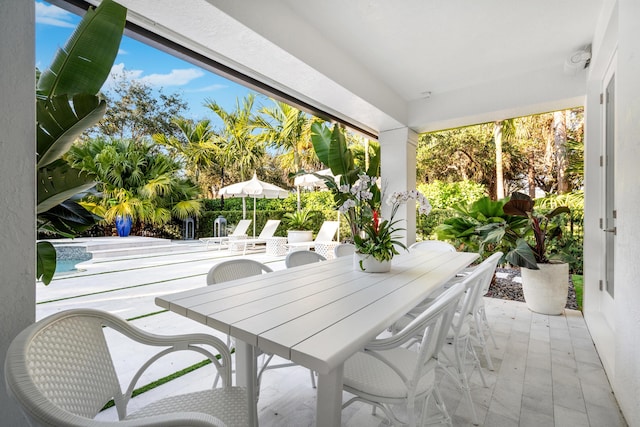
(68, 256)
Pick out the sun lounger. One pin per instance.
(325, 235)
(241, 230)
(268, 231)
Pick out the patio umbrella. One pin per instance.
(253, 188)
(311, 180)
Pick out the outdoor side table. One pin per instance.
(276, 246)
(326, 249)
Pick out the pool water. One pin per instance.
(66, 265)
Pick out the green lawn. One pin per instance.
(577, 285)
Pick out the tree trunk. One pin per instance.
(560, 140)
(531, 175)
(497, 137)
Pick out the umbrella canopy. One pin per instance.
(312, 180)
(253, 188)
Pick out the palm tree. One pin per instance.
(288, 130)
(198, 148)
(134, 181)
(240, 145)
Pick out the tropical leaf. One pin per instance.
(522, 255)
(340, 157)
(45, 262)
(84, 63)
(60, 123)
(57, 183)
(321, 140)
(67, 219)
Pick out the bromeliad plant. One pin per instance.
(361, 205)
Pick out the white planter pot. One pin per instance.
(368, 264)
(297, 236)
(545, 290)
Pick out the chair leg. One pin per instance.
(482, 341)
(313, 378)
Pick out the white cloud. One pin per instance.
(210, 88)
(174, 78)
(52, 15)
(122, 52)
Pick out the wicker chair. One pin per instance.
(297, 258)
(61, 373)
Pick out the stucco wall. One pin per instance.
(17, 154)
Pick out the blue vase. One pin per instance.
(123, 225)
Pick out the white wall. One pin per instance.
(17, 160)
(627, 276)
(618, 343)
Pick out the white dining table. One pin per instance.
(316, 315)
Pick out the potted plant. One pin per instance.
(545, 278)
(374, 236)
(300, 225)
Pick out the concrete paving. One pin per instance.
(547, 371)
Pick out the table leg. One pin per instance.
(246, 374)
(329, 405)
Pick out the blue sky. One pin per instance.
(155, 68)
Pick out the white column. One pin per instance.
(398, 170)
(17, 175)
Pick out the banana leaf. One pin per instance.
(59, 182)
(84, 63)
(61, 122)
(45, 262)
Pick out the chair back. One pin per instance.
(269, 229)
(62, 362)
(475, 283)
(241, 228)
(344, 249)
(297, 258)
(327, 231)
(235, 269)
(430, 327)
(433, 245)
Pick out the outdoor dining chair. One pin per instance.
(344, 249)
(387, 373)
(297, 258)
(60, 370)
(432, 245)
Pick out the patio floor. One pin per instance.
(547, 371)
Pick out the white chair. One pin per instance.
(344, 249)
(268, 231)
(388, 373)
(297, 258)
(432, 245)
(461, 337)
(60, 370)
(235, 269)
(326, 233)
(239, 231)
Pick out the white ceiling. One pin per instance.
(372, 62)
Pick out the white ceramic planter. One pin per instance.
(297, 236)
(368, 264)
(545, 290)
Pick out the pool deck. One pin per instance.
(547, 371)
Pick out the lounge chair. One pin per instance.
(240, 230)
(325, 235)
(268, 231)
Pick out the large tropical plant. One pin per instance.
(134, 181)
(66, 104)
(531, 246)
